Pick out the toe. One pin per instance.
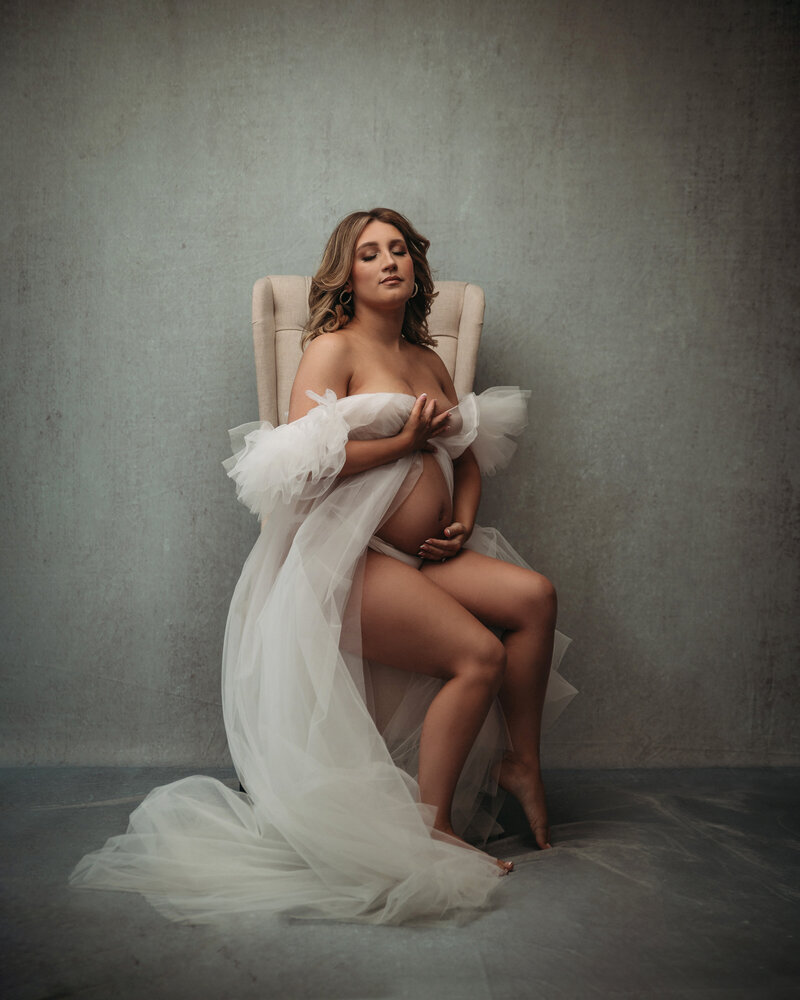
(542, 836)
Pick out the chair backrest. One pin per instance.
(280, 312)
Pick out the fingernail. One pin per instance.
(447, 532)
(424, 395)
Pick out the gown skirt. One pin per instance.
(325, 743)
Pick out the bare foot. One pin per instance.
(504, 866)
(524, 781)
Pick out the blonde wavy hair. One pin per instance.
(327, 313)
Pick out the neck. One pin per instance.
(381, 324)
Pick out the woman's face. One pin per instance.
(383, 271)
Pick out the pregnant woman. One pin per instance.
(386, 660)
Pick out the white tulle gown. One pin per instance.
(325, 743)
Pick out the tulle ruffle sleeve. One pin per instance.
(299, 460)
(502, 416)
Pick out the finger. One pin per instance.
(452, 537)
(441, 419)
(438, 549)
(419, 403)
(433, 549)
(437, 557)
(436, 429)
(456, 528)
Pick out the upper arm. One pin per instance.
(325, 365)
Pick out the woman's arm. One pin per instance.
(466, 497)
(420, 427)
(327, 364)
(466, 490)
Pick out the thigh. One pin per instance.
(409, 622)
(497, 593)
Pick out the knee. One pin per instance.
(486, 662)
(538, 602)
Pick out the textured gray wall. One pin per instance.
(618, 176)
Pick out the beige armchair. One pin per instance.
(280, 311)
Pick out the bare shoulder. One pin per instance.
(326, 364)
(327, 348)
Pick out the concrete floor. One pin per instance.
(662, 884)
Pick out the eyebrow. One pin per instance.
(363, 246)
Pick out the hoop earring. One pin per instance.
(345, 301)
(416, 289)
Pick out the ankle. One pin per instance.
(521, 761)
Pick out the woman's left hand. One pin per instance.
(441, 549)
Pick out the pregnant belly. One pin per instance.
(425, 512)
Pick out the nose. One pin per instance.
(388, 263)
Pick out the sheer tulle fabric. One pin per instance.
(325, 743)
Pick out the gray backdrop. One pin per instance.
(618, 176)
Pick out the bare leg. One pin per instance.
(524, 604)
(409, 623)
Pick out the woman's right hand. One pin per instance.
(423, 424)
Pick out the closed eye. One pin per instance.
(397, 253)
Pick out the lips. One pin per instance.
(393, 280)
